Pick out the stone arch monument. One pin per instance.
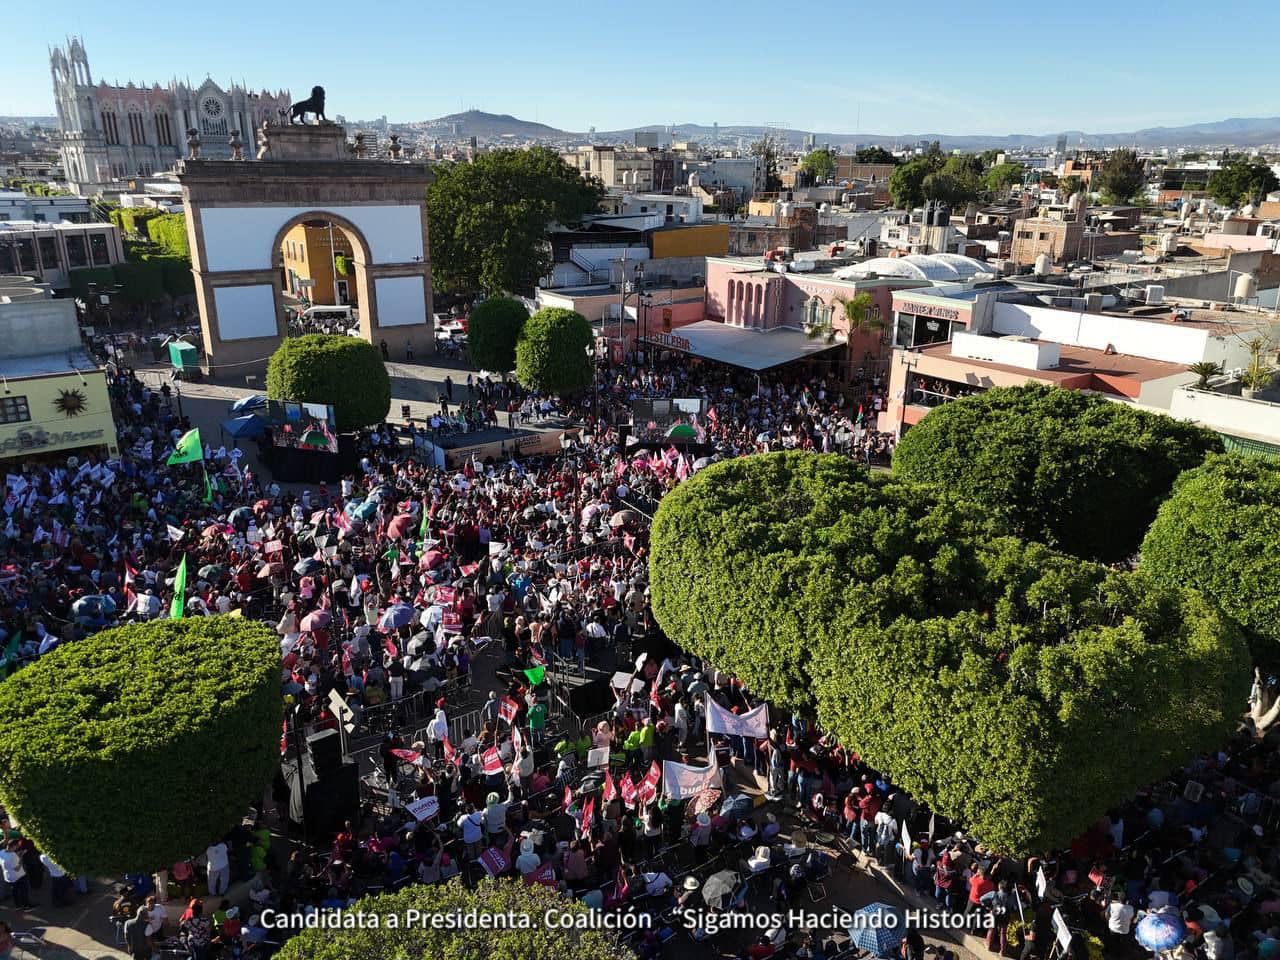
(238, 212)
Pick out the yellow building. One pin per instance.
(691, 240)
(308, 256)
(52, 398)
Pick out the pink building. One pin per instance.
(741, 293)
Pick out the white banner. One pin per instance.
(753, 723)
(681, 781)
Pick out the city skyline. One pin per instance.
(573, 75)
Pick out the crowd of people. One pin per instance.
(441, 606)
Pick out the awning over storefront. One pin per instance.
(739, 347)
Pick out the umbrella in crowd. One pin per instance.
(254, 401)
(719, 888)
(1160, 931)
(305, 568)
(382, 491)
(212, 571)
(623, 517)
(270, 570)
(395, 616)
(702, 462)
(240, 518)
(705, 800)
(366, 510)
(403, 525)
(682, 431)
(94, 607)
(877, 928)
(243, 428)
(316, 620)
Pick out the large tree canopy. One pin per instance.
(412, 940)
(1015, 689)
(1122, 177)
(344, 371)
(1218, 533)
(137, 746)
(489, 218)
(1242, 181)
(492, 333)
(1070, 469)
(551, 356)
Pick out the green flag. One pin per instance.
(179, 591)
(535, 675)
(422, 527)
(188, 449)
(208, 488)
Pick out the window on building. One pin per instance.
(164, 134)
(101, 252)
(48, 253)
(1024, 234)
(110, 128)
(77, 252)
(137, 128)
(14, 410)
(1043, 235)
(38, 217)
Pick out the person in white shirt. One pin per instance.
(1119, 918)
(15, 875)
(471, 823)
(219, 865)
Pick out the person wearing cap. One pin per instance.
(528, 861)
(700, 835)
(495, 816)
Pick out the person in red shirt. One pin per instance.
(979, 886)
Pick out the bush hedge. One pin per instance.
(1218, 533)
(1017, 690)
(551, 352)
(169, 232)
(344, 371)
(1072, 470)
(418, 939)
(493, 331)
(138, 746)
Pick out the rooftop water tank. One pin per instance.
(1044, 265)
(1246, 287)
(1154, 294)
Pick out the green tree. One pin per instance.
(551, 355)
(1069, 469)
(138, 746)
(1205, 370)
(1217, 534)
(820, 164)
(1001, 177)
(859, 314)
(1017, 690)
(1069, 186)
(492, 333)
(766, 148)
(1122, 177)
(874, 155)
(906, 183)
(953, 189)
(411, 941)
(343, 371)
(489, 219)
(1242, 181)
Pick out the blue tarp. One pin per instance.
(244, 427)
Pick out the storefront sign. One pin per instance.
(927, 309)
(39, 439)
(669, 340)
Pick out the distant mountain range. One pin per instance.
(1237, 131)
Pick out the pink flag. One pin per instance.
(568, 796)
(649, 788)
(408, 756)
(494, 861)
(610, 791)
(628, 789)
(682, 468)
(588, 811)
(620, 469)
(450, 752)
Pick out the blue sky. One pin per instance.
(887, 68)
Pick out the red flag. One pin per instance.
(649, 788)
(629, 791)
(712, 415)
(494, 861)
(545, 875)
(517, 741)
(507, 710)
(408, 756)
(492, 761)
(450, 752)
(629, 542)
(588, 811)
(536, 655)
(568, 796)
(610, 791)
(469, 569)
(389, 645)
(682, 468)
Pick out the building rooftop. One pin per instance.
(43, 364)
(1074, 362)
(936, 266)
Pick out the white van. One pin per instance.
(329, 315)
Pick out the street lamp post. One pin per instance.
(595, 384)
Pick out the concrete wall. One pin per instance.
(33, 327)
(1234, 415)
(1160, 393)
(704, 240)
(1138, 338)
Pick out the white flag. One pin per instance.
(175, 533)
(681, 781)
(753, 723)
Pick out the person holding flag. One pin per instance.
(188, 449)
(179, 602)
